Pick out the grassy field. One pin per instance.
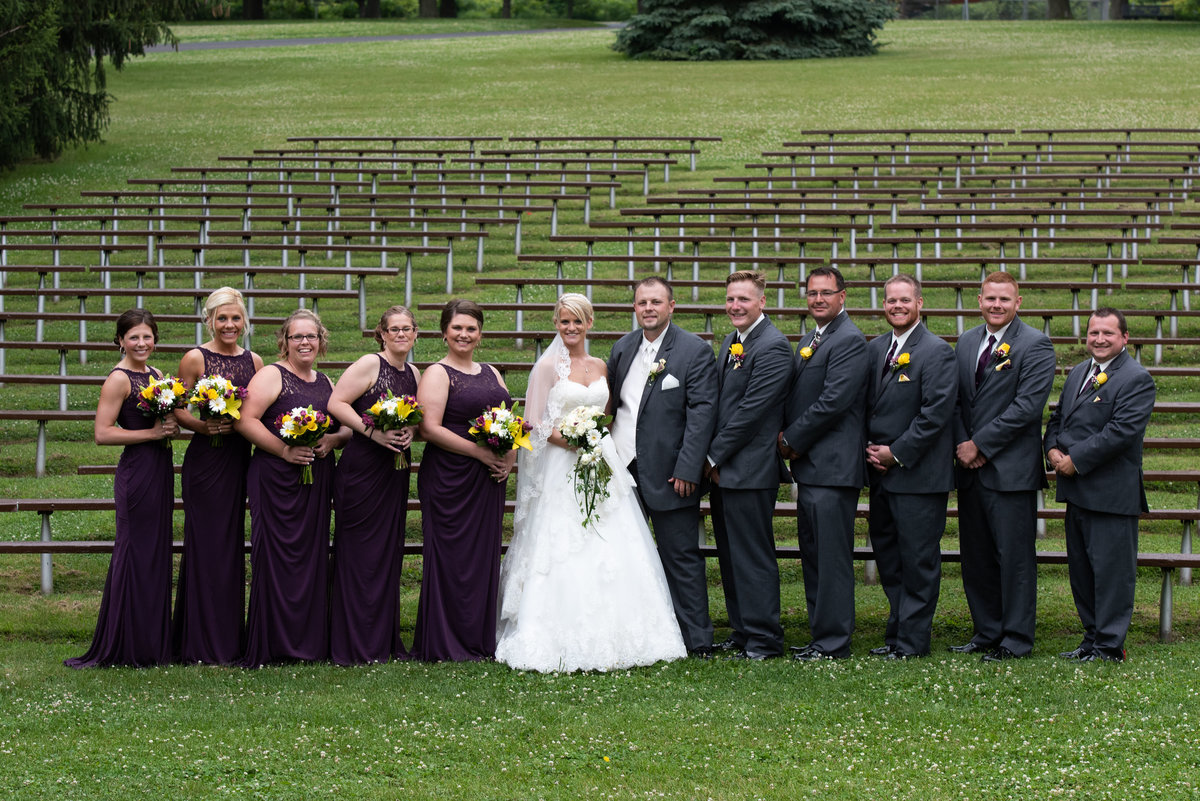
(946, 727)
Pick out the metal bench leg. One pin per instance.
(39, 469)
(47, 565)
(1185, 573)
(1165, 610)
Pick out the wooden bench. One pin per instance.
(1168, 563)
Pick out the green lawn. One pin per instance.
(942, 728)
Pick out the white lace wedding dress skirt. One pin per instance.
(583, 599)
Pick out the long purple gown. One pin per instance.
(462, 513)
(289, 542)
(210, 601)
(134, 625)
(370, 497)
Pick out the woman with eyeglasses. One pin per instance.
(371, 497)
(289, 520)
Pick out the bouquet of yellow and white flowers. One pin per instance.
(302, 427)
(501, 429)
(216, 397)
(583, 427)
(391, 412)
(161, 397)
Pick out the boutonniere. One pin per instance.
(738, 354)
(806, 352)
(900, 362)
(1004, 365)
(1001, 351)
(1098, 380)
(656, 370)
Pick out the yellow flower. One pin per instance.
(521, 439)
(806, 353)
(177, 388)
(233, 408)
(404, 409)
(903, 359)
(1004, 348)
(375, 408)
(1100, 379)
(736, 349)
(148, 392)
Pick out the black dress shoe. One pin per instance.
(971, 647)
(749, 656)
(1100, 656)
(814, 654)
(882, 650)
(703, 652)
(895, 654)
(1078, 653)
(728, 644)
(1001, 654)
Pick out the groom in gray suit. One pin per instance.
(1005, 371)
(745, 469)
(824, 440)
(911, 392)
(662, 381)
(1093, 443)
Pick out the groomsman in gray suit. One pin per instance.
(1093, 443)
(1005, 372)
(754, 368)
(911, 393)
(662, 381)
(825, 442)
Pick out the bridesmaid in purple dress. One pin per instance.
(371, 497)
(134, 625)
(210, 600)
(462, 498)
(289, 521)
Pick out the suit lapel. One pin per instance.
(910, 346)
(1010, 336)
(663, 350)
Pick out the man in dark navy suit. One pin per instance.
(1093, 443)
(911, 394)
(754, 368)
(824, 439)
(1005, 372)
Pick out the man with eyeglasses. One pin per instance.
(824, 441)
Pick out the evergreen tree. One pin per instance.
(758, 29)
(53, 55)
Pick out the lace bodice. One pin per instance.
(567, 394)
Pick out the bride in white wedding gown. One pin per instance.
(576, 598)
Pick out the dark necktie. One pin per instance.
(984, 358)
(1087, 382)
(816, 340)
(887, 362)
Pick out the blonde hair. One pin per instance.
(225, 296)
(577, 304)
(302, 314)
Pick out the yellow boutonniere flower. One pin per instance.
(806, 353)
(737, 354)
(1098, 380)
(903, 359)
(1002, 350)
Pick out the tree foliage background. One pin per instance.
(53, 56)
(703, 30)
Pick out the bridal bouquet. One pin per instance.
(583, 427)
(215, 396)
(501, 429)
(391, 412)
(302, 427)
(161, 397)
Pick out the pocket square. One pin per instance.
(669, 382)
(902, 379)
(1096, 399)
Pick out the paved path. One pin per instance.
(244, 43)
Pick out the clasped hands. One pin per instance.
(395, 440)
(498, 466)
(1060, 462)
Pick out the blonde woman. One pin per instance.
(210, 601)
(576, 594)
